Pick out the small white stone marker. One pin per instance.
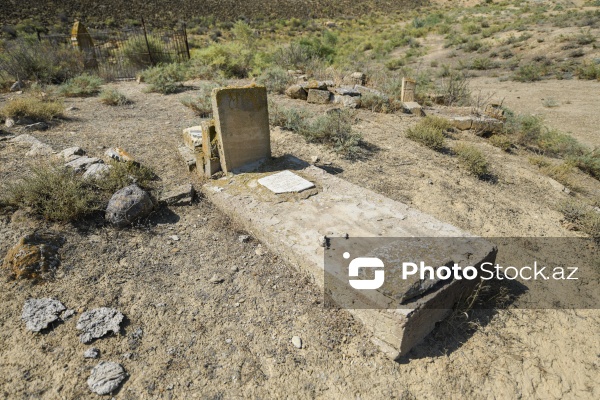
(285, 182)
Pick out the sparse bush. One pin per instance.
(455, 90)
(54, 193)
(287, 118)
(528, 73)
(165, 78)
(482, 63)
(394, 64)
(142, 55)
(502, 142)
(583, 216)
(376, 103)
(33, 108)
(113, 97)
(276, 79)
(589, 163)
(81, 86)
(550, 103)
(472, 159)
(429, 132)
(40, 61)
(201, 104)
(588, 70)
(471, 28)
(123, 174)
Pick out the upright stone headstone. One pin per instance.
(81, 39)
(409, 87)
(242, 125)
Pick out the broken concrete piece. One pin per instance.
(414, 108)
(313, 84)
(119, 155)
(98, 322)
(92, 352)
(39, 313)
(409, 86)
(485, 125)
(96, 171)
(317, 96)
(34, 255)
(347, 91)
(179, 196)
(347, 101)
(355, 78)
(462, 123)
(296, 92)
(106, 377)
(83, 163)
(71, 153)
(188, 156)
(211, 164)
(192, 137)
(128, 205)
(285, 182)
(242, 126)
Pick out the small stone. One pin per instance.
(260, 251)
(92, 352)
(323, 241)
(347, 101)
(174, 238)
(297, 342)
(106, 377)
(72, 108)
(412, 107)
(314, 159)
(192, 137)
(244, 238)
(216, 279)
(98, 322)
(71, 153)
(119, 155)
(96, 171)
(296, 92)
(355, 78)
(81, 164)
(67, 314)
(9, 122)
(234, 269)
(39, 150)
(39, 313)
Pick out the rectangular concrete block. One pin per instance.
(409, 86)
(413, 108)
(192, 138)
(318, 96)
(188, 157)
(293, 229)
(210, 161)
(242, 125)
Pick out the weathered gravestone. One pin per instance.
(242, 125)
(408, 90)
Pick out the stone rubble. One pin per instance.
(98, 322)
(38, 314)
(106, 377)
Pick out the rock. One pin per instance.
(39, 313)
(92, 352)
(128, 205)
(216, 279)
(9, 122)
(106, 377)
(34, 255)
(25, 138)
(67, 314)
(314, 159)
(188, 157)
(174, 238)
(558, 186)
(313, 84)
(297, 342)
(192, 138)
(462, 123)
(317, 96)
(259, 251)
(18, 85)
(6, 137)
(296, 92)
(81, 164)
(495, 110)
(38, 126)
(96, 171)
(486, 125)
(119, 155)
(98, 322)
(323, 241)
(347, 91)
(347, 101)
(39, 150)
(244, 238)
(414, 108)
(355, 78)
(179, 196)
(71, 153)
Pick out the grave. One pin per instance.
(242, 125)
(409, 87)
(291, 211)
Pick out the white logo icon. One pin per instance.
(366, 262)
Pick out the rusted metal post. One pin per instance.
(187, 46)
(147, 43)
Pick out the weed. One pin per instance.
(123, 174)
(376, 103)
(33, 108)
(113, 97)
(528, 73)
(582, 215)
(276, 79)
(589, 163)
(429, 132)
(165, 78)
(201, 104)
(81, 86)
(550, 103)
(454, 89)
(588, 70)
(472, 159)
(502, 142)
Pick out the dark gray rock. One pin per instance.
(106, 377)
(39, 313)
(98, 322)
(127, 205)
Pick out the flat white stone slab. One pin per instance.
(285, 182)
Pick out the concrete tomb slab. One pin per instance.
(242, 125)
(292, 224)
(192, 137)
(285, 182)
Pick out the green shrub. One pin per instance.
(232, 59)
(32, 108)
(81, 86)
(501, 141)
(589, 163)
(165, 78)
(40, 61)
(482, 63)
(113, 97)
(201, 104)
(54, 193)
(472, 159)
(123, 174)
(528, 73)
(588, 70)
(471, 28)
(583, 216)
(394, 64)
(429, 132)
(276, 79)
(141, 55)
(454, 90)
(376, 103)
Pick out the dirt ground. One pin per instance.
(233, 339)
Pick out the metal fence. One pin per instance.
(118, 55)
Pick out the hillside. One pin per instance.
(169, 11)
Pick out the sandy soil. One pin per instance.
(232, 340)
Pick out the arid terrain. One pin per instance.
(189, 335)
